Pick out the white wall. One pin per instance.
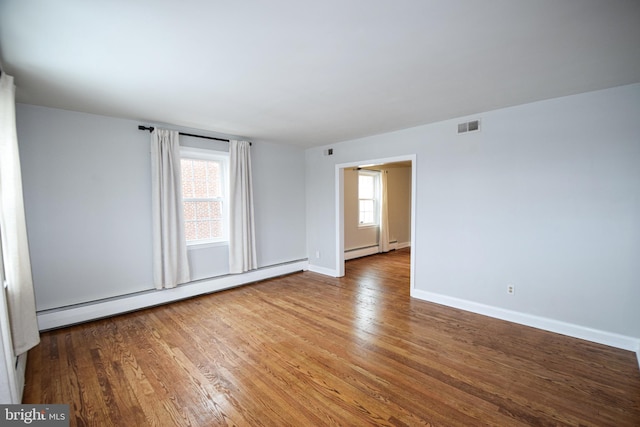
(546, 197)
(87, 198)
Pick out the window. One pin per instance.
(204, 195)
(368, 196)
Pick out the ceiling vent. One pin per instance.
(472, 126)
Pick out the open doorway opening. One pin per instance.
(358, 233)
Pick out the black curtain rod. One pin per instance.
(367, 169)
(151, 128)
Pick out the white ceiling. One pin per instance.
(313, 72)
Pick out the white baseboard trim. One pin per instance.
(322, 270)
(357, 253)
(66, 316)
(572, 330)
(372, 250)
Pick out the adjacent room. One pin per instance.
(321, 213)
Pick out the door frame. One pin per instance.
(339, 204)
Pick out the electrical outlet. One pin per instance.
(511, 289)
(317, 254)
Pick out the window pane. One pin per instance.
(199, 189)
(186, 167)
(203, 220)
(205, 229)
(201, 232)
(190, 230)
(199, 170)
(216, 229)
(366, 211)
(365, 186)
(213, 179)
(216, 209)
(202, 210)
(189, 211)
(199, 178)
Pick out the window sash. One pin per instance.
(368, 198)
(201, 217)
(367, 211)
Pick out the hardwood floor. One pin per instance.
(310, 350)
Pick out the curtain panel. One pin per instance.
(242, 244)
(170, 263)
(384, 214)
(13, 229)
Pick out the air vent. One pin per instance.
(472, 126)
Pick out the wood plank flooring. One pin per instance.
(310, 350)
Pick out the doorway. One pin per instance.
(340, 206)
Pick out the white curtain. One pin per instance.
(170, 263)
(242, 242)
(384, 214)
(13, 229)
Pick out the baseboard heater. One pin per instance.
(84, 312)
(367, 250)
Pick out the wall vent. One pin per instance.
(472, 126)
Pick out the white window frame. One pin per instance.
(376, 198)
(222, 157)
